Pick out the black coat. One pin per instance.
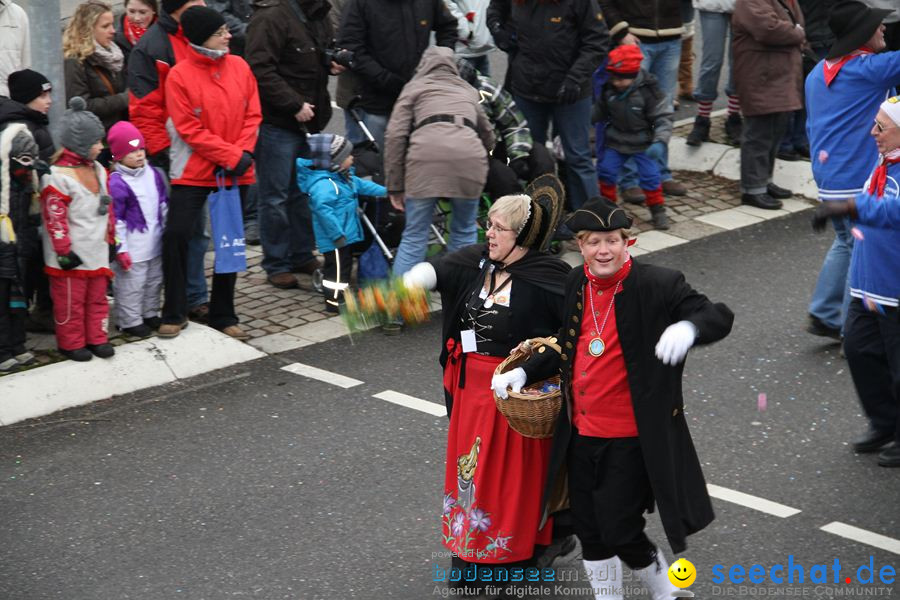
(556, 41)
(387, 38)
(287, 55)
(535, 304)
(652, 298)
(38, 124)
(88, 78)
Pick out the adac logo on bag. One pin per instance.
(682, 575)
(227, 242)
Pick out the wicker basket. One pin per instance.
(530, 412)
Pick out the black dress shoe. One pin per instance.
(890, 457)
(817, 327)
(871, 441)
(778, 192)
(79, 355)
(153, 322)
(789, 155)
(761, 201)
(141, 331)
(102, 350)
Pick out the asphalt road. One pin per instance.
(255, 482)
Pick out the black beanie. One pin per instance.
(26, 85)
(170, 6)
(199, 23)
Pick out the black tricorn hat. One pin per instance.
(853, 24)
(598, 214)
(548, 197)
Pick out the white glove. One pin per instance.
(514, 379)
(674, 343)
(421, 275)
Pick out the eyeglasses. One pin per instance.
(879, 126)
(221, 32)
(495, 227)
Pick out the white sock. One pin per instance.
(605, 577)
(656, 578)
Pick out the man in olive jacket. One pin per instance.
(622, 437)
(286, 43)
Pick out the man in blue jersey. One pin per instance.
(872, 330)
(843, 93)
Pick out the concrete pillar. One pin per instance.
(46, 51)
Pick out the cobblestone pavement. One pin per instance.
(711, 206)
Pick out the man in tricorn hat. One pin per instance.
(627, 328)
(843, 93)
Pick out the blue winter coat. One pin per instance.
(333, 200)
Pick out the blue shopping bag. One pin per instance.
(373, 266)
(227, 227)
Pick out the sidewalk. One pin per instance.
(281, 320)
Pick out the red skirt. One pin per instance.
(494, 477)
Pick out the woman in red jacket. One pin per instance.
(213, 105)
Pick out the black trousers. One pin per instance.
(872, 347)
(608, 494)
(35, 284)
(185, 206)
(12, 319)
(502, 180)
(761, 138)
(336, 269)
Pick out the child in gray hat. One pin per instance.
(78, 228)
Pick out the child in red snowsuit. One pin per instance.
(78, 228)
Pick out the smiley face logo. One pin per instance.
(682, 573)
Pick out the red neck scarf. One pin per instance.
(879, 176)
(833, 68)
(133, 32)
(605, 283)
(70, 159)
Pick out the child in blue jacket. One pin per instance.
(333, 189)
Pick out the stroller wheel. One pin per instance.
(317, 278)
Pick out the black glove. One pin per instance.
(503, 38)
(827, 210)
(69, 261)
(160, 160)
(241, 167)
(41, 168)
(569, 92)
(520, 167)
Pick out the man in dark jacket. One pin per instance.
(148, 66)
(621, 435)
(286, 44)
(553, 50)
(387, 38)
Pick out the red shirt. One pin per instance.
(601, 396)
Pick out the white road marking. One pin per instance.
(321, 375)
(754, 502)
(432, 408)
(863, 536)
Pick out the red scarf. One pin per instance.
(879, 176)
(70, 159)
(133, 32)
(832, 69)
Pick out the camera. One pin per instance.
(341, 56)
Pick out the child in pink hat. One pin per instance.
(140, 203)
